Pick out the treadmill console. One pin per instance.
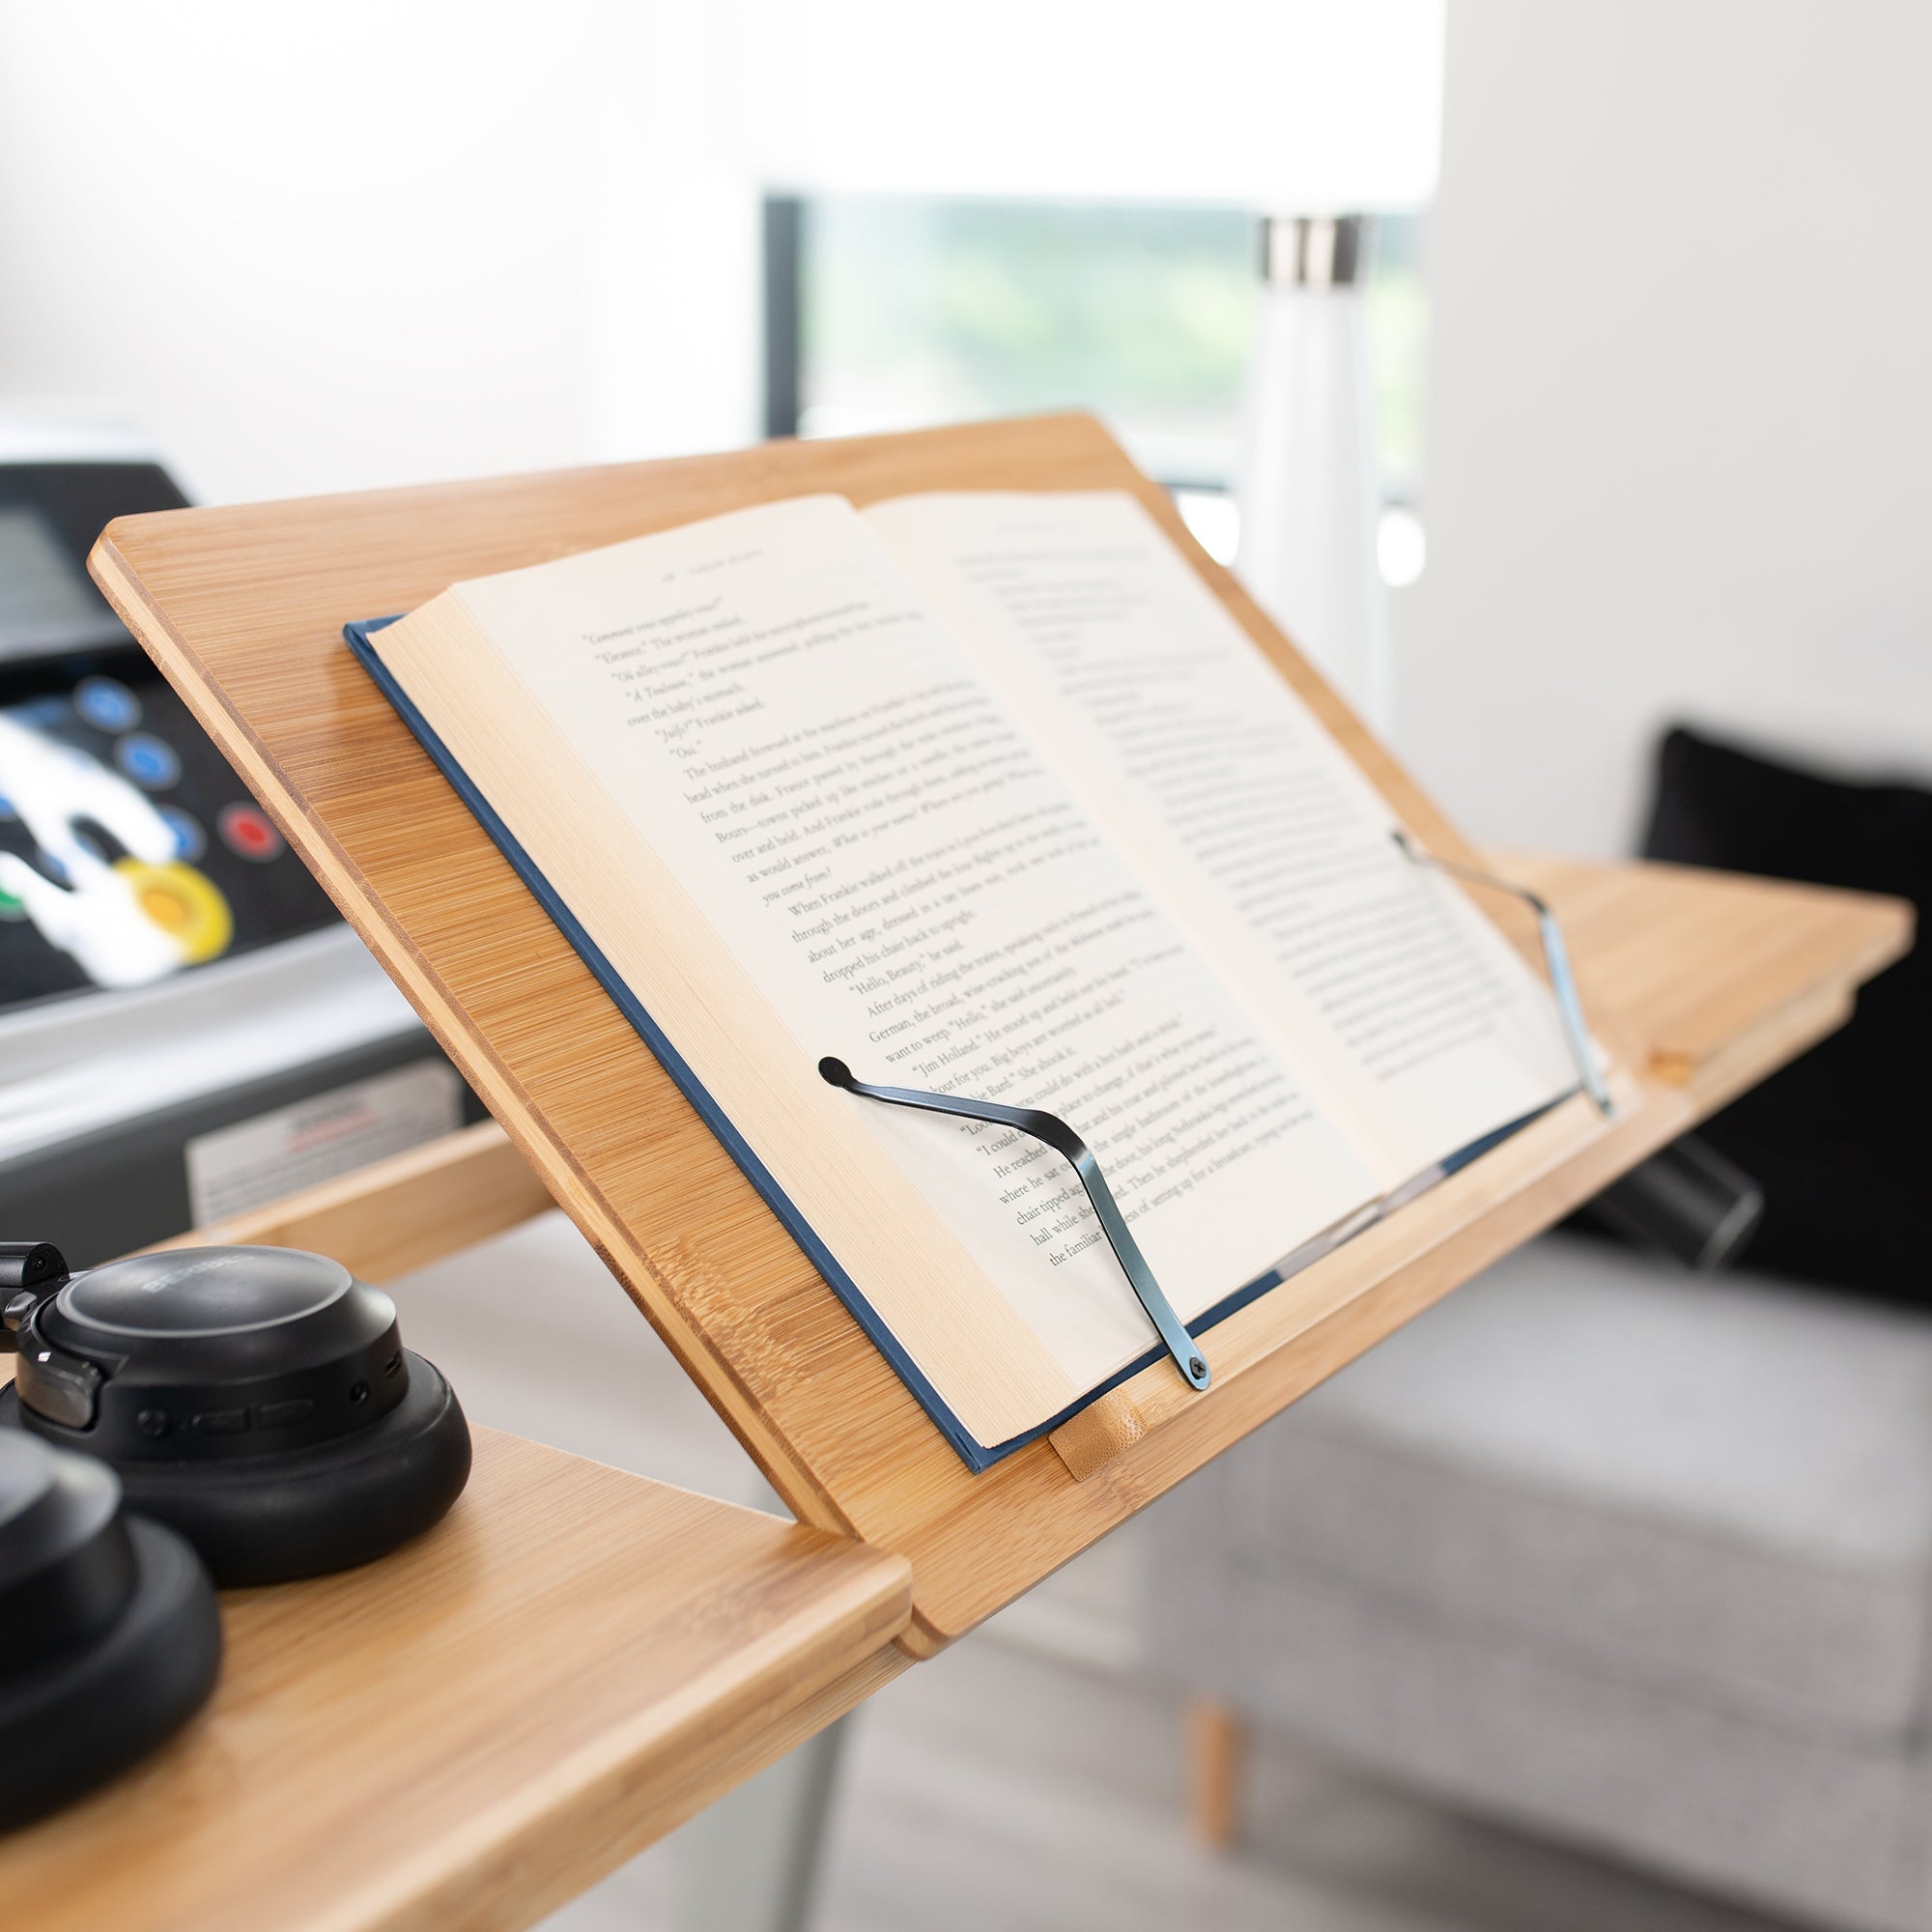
(130, 851)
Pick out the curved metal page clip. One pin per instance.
(1555, 960)
(1051, 1129)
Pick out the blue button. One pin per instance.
(191, 840)
(148, 761)
(108, 705)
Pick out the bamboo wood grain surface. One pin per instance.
(470, 1731)
(243, 610)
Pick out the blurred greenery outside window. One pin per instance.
(915, 311)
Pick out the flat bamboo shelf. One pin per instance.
(243, 610)
(472, 1730)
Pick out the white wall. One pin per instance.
(325, 247)
(1680, 400)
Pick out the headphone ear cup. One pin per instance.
(259, 1400)
(114, 1675)
(304, 1512)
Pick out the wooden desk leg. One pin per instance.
(1217, 1746)
(756, 1853)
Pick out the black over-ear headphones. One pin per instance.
(111, 1639)
(258, 1400)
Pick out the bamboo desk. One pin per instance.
(242, 609)
(469, 1731)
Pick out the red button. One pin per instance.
(248, 834)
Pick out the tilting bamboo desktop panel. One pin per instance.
(1701, 986)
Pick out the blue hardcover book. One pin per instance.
(986, 795)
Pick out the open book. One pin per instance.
(984, 794)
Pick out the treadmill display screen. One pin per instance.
(47, 603)
(128, 848)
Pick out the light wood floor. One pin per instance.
(1029, 1780)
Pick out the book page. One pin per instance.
(1421, 1026)
(876, 841)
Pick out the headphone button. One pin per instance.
(59, 1388)
(153, 1423)
(284, 1414)
(221, 1422)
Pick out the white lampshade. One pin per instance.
(1305, 105)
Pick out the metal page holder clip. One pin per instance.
(1555, 960)
(1055, 1133)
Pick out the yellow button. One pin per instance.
(187, 905)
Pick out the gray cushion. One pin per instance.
(1721, 1490)
(1799, 1823)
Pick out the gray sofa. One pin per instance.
(1637, 1559)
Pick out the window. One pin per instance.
(884, 312)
